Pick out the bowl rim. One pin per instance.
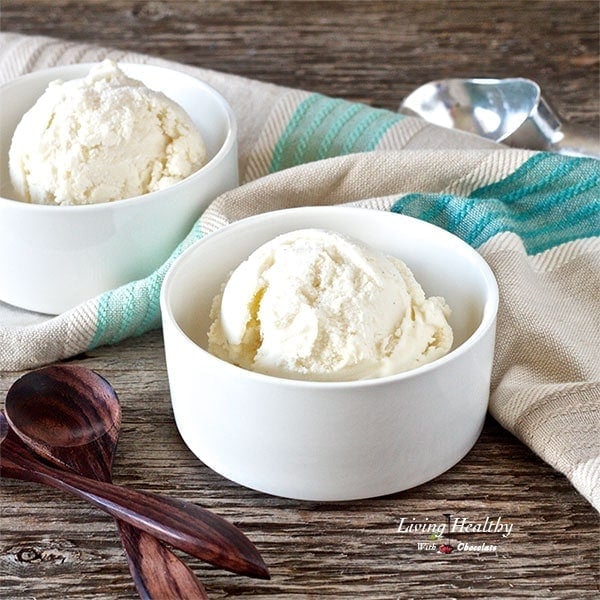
(487, 322)
(230, 138)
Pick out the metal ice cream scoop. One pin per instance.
(511, 111)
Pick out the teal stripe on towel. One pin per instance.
(323, 127)
(549, 200)
(134, 308)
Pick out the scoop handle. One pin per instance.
(577, 141)
(184, 525)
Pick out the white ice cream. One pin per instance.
(101, 138)
(315, 305)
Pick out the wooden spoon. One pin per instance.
(184, 525)
(80, 415)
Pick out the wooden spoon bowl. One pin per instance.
(69, 415)
(63, 406)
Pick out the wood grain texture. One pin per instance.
(371, 51)
(53, 547)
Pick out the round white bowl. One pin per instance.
(329, 440)
(54, 257)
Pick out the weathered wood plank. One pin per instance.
(375, 52)
(55, 547)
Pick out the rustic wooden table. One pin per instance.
(375, 52)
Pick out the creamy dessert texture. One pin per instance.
(315, 305)
(101, 138)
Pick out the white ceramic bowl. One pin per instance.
(329, 440)
(54, 257)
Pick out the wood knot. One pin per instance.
(33, 554)
(51, 557)
(28, 555)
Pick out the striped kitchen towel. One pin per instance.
(535, 218)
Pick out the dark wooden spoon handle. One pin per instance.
(157, 572)
(184, 525)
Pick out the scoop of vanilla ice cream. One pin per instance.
(315, 305)
(101, 138)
